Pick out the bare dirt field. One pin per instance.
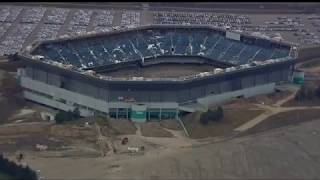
(171, 124)
(110, 126)
(269, 99)
(310, 67)
(232, 119)
(73, 131)
(284, 119)
(161, 70)
(315, 101)
(122, 126)
(154, 129)
(28, 143)
(10, 96)
(306, 102)
(310, 64)
(251, 157)
(59, 140)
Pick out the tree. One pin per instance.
(211, 115)
(220, 113)
(76, 113)
(63, 116)
(309, 94)
(204, 120)
(14, 171)
(317, 91)
(301, 94)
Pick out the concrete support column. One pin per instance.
(117, 114)
(177, 113)
(127, 113)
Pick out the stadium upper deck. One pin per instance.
(159, 40)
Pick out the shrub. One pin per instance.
(15, 171)
(76, 113)
(204, 120)
(301, 94)
(310, 94)
(211, 115)
(317, 91)
(63, 116)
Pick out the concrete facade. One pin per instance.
(65, 91)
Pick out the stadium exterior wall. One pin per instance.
(67, 90)
(171, 91)
(62, 99)
(66, 100)
(248, 92)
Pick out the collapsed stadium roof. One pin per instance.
(85, 53)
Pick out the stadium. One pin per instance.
(152, 72)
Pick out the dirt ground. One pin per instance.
(232, 119)
(284, 119)
(72, 131)
(171, 124)
(306, 102)
(28, 143)
(110, 126)
(236, 103)
(154, 129)
(122, 126)
(315, 101)
(269, 99)
(161, 70)
(61, 141)
(310, 64)
(10, 96)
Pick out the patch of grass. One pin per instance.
(232, 119)
(284, 119)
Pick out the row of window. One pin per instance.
(151, 113)
(39, 93)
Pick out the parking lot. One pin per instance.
(21, 25)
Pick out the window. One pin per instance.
(113, 112)
(61, 100)
(79, 106)
(39, 93)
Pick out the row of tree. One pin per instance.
(211, 115)
(15, 171)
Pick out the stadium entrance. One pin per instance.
(140, 113)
